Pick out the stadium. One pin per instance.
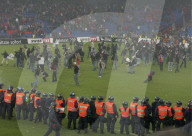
(117, 50)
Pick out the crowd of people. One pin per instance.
(95, 112)
(34, 19)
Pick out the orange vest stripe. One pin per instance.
(169, 111)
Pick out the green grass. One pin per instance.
(120, 84)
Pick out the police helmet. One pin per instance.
(161, 101)
(93, 98)
(1, 85)
(59, 96)
(100, 98)
(51, 95)
(190, 105)
(86, 100)
(44, 95)
(81, 98)
(125, 103)
(19, 89)
(38, 93)
(168, 103)
(72, 94)
(142, 102)
(179, 103)
(26, 91)
(146, 99)
(111, 98)
(9, 89)
(10, 86)
(33, 90)
(52, 104)
(157, 98)
(135, 99)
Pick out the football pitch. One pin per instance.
(120, 84)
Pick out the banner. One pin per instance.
(47, 40)
(34, 40)
(64, 40)
(88, 39)
(12, 41)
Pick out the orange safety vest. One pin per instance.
(31, 97)
(59, 107)
(141, 111)
(109, 107)
(83, 110)
(162, 112)
(1, 90)
(19, 98)
(7, 97)
(124, 113)
(71, 104)
(79, 103)
(99, 108)
(169, 111)
(35, 101)
(178, 113)
(133, 107)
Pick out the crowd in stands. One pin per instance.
(39, 18)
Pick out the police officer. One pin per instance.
(20, 100)
(31, 104)
(26, 104)
(37, 105)
(1, 98)
(112, 114)
(188, 117)
(100, 113)
(72, 110)
(161, 113)
(133, 106)
(92, 118)
(125, 117)
(60, 108)
(50, 100)
(81, 99)
(53, 122)
(84, 111)
(9, 98)
(155, 104)
(45, 112)
(170, 113)
(147, 118)
(142, 113)
(178, 114)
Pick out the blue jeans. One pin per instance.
(94, 68)
(100, 71)
(36, 81)
(76, 79)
